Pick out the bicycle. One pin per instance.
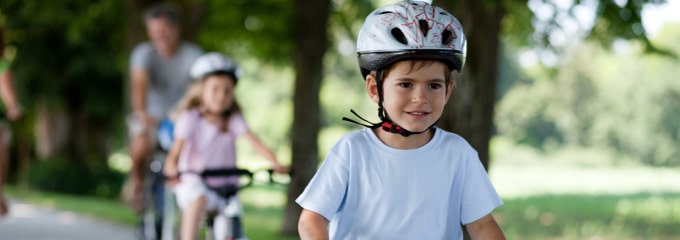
(157, 220)
(234, 228)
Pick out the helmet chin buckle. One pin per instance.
(393, 128)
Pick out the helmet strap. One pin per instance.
(385, 123)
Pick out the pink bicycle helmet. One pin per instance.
(214, 63)
(410, 30)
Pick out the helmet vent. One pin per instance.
(424, 27)
(447, 37)
(399, 36)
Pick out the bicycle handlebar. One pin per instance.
(226, 172)
(230, 189)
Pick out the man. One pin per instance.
(159, 74)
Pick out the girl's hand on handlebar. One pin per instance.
(171, 175)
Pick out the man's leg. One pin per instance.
(140, 151)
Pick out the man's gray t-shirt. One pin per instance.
(168, 78)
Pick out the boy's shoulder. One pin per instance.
(361, 135)
(353, 139)
(450, 138)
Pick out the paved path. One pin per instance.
(30, 222)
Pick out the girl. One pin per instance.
(208, 122)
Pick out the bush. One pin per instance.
(75, 177)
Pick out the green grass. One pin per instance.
(108, 209)
(576, 193)
(583, 216)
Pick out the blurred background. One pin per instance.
(573, 105)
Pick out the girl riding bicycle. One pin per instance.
(209, 121)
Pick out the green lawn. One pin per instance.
(583, 194)
(581, 216)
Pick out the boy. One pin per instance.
(403, 178)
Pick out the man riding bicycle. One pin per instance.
(159, 75)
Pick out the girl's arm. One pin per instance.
(263, 150)
(312, 226)
(170, 169)
(485, 228)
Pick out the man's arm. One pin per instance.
(312, 226)
(139, 82)
(485, 228)
(8, 95)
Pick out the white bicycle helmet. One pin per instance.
(410, 30)
(212, 63)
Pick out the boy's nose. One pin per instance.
(419, 95)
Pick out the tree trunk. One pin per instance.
(470, 110)
(310, 46)
(52, 129)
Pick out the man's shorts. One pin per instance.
(136, 127)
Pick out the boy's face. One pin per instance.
(414, 93)
(218, 93)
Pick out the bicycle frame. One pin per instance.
(234, 224)
(158, 218)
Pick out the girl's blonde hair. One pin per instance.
(192, 99)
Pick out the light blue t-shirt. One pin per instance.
(369, 190)
(169, 78)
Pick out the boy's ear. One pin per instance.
(372, 88)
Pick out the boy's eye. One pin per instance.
(405, 84)
(435, 85)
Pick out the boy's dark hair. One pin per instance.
(164, 10)
(419, 63)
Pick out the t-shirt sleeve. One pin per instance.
(183, 124)
(140, 57)
(325, 193)
(237, 125)
(479, 195)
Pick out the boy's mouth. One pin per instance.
(418, 113)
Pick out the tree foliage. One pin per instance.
(68, 57)
(68, 75)
(259, 29)
(623, 101)
(67, 49)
